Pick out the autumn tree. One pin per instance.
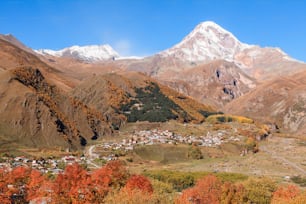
(4, 190)
(284, 195)
(72, 186)
(37, 186)
(16, 180)
(206, 191)
(135, 196)
(259, 190)
(112, 176)
(233, 193)
(139, 182)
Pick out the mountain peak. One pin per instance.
(91, 53)
(207, 41)
(209, 27)
(206, 24)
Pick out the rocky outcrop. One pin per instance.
(215, 83)
(281, 102)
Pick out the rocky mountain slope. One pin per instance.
(209, 42)
(281, 101)
(191, 65)
(215, 83)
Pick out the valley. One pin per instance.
(278, 157)
(209, 105)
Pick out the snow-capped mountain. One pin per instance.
(91, 53)
(208, 41)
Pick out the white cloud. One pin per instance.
(123, 47)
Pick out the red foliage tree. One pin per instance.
(118, 173)
(4, 190)
(206, 191)
(72, 186)
(112, 175)
(75, 185)
(38, 186)
(139, 182)
(285, 194)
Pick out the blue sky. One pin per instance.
(144, 27)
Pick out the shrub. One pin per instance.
(179, 180)
(299, 180)
(227, 118)
(195, 153)
(251, 145)
(182, 180)
(259, 190)
(128, 197)
(206, 114)
(161, 187)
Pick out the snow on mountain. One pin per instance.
(208, 41)
(91, 53)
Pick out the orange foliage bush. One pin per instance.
(206, 190)
(286, 194)
(131, 197)
(113, 184)
(139, 182)
(75, 185)
(37, 185)
(210, 190)
(72, 186)
(4, 190)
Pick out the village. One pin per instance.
(155, 136)
(150, 137)
(44, 165)
(138, 138)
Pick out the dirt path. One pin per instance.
(283, 160)
(91, 156)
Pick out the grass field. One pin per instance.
(279, 156)
(164, 154)
(225, 158)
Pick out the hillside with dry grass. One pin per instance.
(37, 114)
(281, 101)
(35, 108)
(139, 98)
(42, 106)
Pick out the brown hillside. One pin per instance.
(109, 92)
(35, 113)
(282, 101)
(39, 110)
(12, 56)
(34, 109)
